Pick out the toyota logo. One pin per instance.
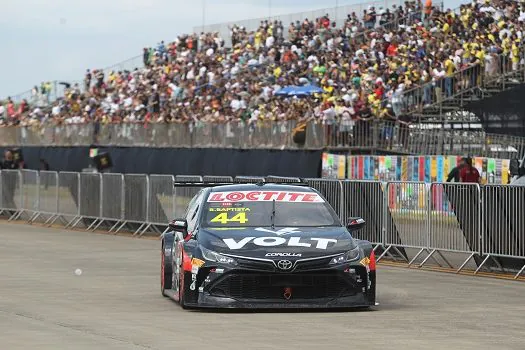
(284, 265)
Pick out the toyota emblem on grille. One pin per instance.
(284, 265)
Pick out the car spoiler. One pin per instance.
(213, 181)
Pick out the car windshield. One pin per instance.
(256, 209)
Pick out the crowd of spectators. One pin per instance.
(366, 67)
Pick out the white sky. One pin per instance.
(45, 40)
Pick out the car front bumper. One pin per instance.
(207, 301)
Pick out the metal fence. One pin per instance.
(371, 135)
(412, 221)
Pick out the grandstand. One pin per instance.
(388, 75)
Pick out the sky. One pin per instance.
(47, 40)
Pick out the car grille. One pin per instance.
(272, 286)
(259, 265)
(314, 264)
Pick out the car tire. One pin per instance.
(165, 274)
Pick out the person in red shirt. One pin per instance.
(391, 51)
(468, 173)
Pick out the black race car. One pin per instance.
(265, 246)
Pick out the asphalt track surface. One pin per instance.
(116, 304)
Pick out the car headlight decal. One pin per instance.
(210, 255)
(350, 255)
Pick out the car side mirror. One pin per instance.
(355, 223)
(179, 225)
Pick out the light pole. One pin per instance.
(203, 14)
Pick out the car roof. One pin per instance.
(261, 187)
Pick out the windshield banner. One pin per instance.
(265, 196)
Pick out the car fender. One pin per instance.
(188, 249)
(366, 246)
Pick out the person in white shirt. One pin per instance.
(235, 104)
(438, 74)
(270, 40)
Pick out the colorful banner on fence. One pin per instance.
(421, 168)
(334, 166)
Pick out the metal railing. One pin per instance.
(469, 84)
(373, 135)
(412, 221)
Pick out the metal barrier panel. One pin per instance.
(183, 196)
(282, 179)
(9, 136)
(332, 190)
(455, 217)
(68, 193)
(217, 179)
(248, 179)
(161, 199)
(374, 134)
(188, 178)
(48, 193)
(367, 200)
(406, 222)
(11, 190)
(90, 198)
(136, 198)
(504, 222)
(112, 196)
(30, 191)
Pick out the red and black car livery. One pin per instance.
(265, 246)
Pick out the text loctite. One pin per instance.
(265, 196)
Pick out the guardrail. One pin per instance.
(412, 221)
(360, 134)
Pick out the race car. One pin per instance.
(265, 246)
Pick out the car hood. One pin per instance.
(258, 242)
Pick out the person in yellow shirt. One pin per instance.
(270, 30)
(506, 45)
(258, 39)
(328, 90)
(480, 55)
(277, 72)
(112, 77)
(450, 69)
(515, 54)
(446, 28)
